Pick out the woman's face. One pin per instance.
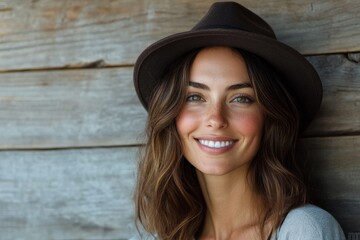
(220, 125)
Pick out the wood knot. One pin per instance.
(353, 57)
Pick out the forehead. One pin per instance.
(222, 64)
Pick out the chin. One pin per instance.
(213, 172)
(221, 169)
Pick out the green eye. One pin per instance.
(194, 98)
(242, 99)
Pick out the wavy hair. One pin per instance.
(168, 197)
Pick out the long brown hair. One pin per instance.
(276, 173)
(168, 197)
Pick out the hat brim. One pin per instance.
(297, 74)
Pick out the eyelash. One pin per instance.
(190, 98)
(246, 99)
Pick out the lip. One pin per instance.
(215, 138)
(219, 149)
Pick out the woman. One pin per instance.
(226, 103)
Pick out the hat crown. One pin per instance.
(231, 15)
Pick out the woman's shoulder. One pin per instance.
(310, 222)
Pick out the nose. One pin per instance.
(217, 117)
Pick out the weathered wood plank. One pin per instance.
(335, 168)
(69, 109)
(340, 109)
(98, 107)
(51, 34)
(67, 194)
(87, 193)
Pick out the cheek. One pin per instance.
(186, 122)
(250, 123)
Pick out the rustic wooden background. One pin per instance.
(71, 124)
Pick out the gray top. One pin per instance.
(304, 223)
(309, 223)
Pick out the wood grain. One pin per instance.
(339, 112)
(67, 194)
(73, 108)
(99, 107)
(56, 34)
(334, 164)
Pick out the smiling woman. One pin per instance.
(224, 118)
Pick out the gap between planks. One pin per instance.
(85, 66)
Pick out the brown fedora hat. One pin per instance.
(231, 24)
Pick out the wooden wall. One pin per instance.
(70, 122)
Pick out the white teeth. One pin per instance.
(216, 144)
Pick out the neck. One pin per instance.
(234, 209)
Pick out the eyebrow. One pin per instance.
(232, 87)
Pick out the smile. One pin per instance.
(216, 144)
